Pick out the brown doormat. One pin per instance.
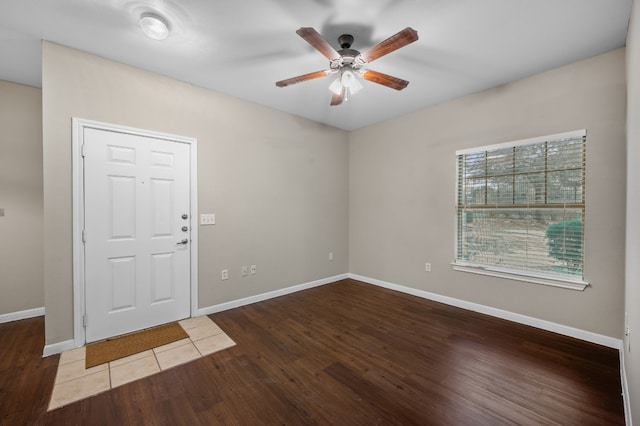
(119, 347)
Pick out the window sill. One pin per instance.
(576, 284)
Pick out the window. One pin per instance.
(520, 210)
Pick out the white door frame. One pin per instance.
(78, 126)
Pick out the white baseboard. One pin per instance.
(270, 295)
(625, 390)
(499, 313)
(15, 316)
(59, 347)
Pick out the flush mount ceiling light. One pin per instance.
(154, 26)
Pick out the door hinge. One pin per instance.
(84, 239)
(84, 320)
(82, 150)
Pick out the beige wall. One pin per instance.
(402, 191)
(283, 187)
(632, 295)
(21, 197)
(277, 183)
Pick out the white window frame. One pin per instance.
(556, 280)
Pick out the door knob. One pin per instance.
(185, 241)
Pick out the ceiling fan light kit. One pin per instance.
(346, 81)
(349, 63)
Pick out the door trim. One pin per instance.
(77, 139)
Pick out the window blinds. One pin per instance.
(521, 206)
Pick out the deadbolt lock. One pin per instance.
(185, 216)
(185, 228)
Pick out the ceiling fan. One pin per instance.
(348, 63)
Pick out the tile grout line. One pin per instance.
(155, 356)
(194, 345)
(110, 380)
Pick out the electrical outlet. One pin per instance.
(253, 269)
(244, 271)
(224, 274)
(331, 255)
(207, 219)
(427, 267)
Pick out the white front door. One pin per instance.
(137, 235)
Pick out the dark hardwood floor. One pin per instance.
(346, 353)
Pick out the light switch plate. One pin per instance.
(207, 219)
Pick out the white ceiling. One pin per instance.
(242, 47)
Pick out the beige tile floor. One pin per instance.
(74, 382)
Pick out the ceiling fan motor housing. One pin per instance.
(347, 55)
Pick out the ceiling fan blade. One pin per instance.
(384, 79)
(337, 99)
(303, 77)
(314, 38)
(395, 42)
